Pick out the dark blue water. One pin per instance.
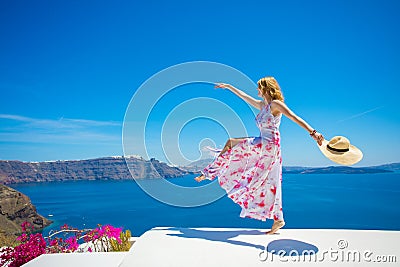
(339, 201)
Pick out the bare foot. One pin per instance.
(275, 227)
(200, 178)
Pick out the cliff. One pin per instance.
(16, 208)
(115, 168)
(109, 168)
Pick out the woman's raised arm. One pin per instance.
(282, 108)
(248, 99)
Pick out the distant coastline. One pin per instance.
(107, 168)
(392, 167)
(339, 169)
(115, 168)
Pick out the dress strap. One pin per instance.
(268, 106)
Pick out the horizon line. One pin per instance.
(138, 156)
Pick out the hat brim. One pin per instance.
(348, 158)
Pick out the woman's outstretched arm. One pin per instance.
(250, 100)
(282, 108)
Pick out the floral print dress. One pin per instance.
(251, 171)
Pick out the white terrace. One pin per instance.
(169, 246)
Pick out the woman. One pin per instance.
(250, 168)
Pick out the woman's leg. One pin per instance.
(228, 145)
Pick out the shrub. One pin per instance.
(124, 245)
(32, 245)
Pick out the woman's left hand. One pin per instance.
(318, 137)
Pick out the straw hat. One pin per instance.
(339, 150)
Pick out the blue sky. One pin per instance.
(68, 70)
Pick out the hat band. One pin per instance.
(338, 149)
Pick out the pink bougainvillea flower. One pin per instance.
(72, 243)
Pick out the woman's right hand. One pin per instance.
(223, 85)
(248, 99)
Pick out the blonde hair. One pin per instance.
(268, 85)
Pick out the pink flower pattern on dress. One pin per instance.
(251, 171)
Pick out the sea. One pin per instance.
(310, 201)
